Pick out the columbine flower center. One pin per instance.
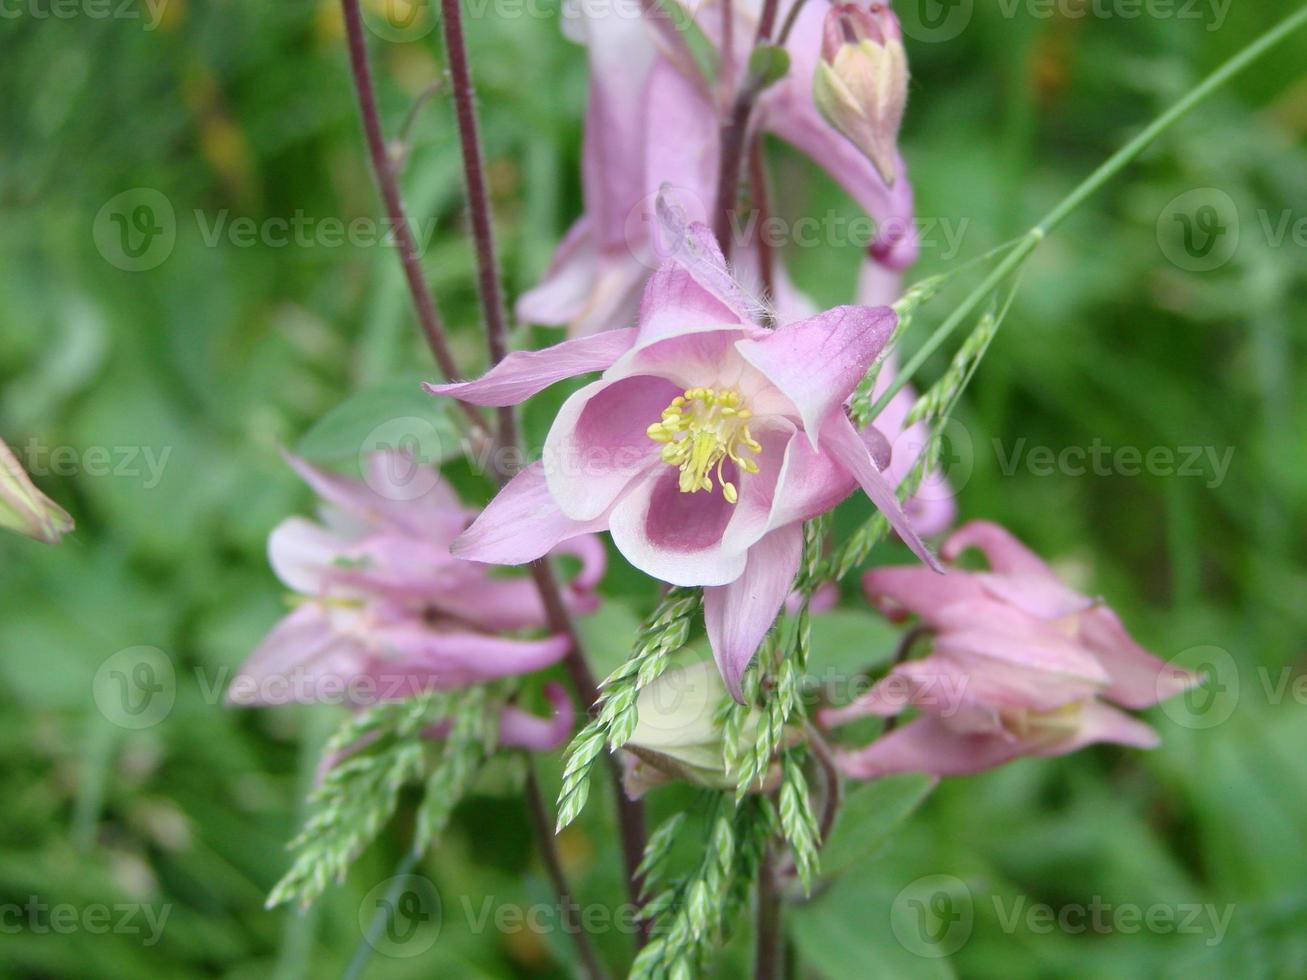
(700, 431)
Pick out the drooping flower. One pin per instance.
(703, 446)
(24, 508)
(652, 120)
(861, 82)
(385, 612)
(1022, 665)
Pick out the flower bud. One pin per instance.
(25, 509)
(678, 735)
(861, 81)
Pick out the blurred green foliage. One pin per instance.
(223, 352)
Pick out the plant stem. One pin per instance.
(733, 133)
(762, 208)
(363, 951)
(767, 934)
(821, 751)
(1109, 169)
(791, 18)
(383, 170)
(544, 833)
(478, 200)
(630, 814)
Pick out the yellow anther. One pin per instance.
(699, 432)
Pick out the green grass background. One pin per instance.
(223, 353)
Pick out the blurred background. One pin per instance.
(194, 273)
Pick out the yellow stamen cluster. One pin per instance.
(700, 431)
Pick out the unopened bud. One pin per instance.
(861, 82)
(25, 509)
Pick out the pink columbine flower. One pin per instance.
(702, 447)
(24, 508)
(1022, 665)
(653, 120)
(385, 612)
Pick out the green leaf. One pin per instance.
(846, 642)
(394, 415)
(870, 815)
(849, 932)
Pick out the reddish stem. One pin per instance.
(384, 171)
(630, 813)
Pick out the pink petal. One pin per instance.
(418, 657)
(290, 663)
(927, 744)
(622, 58)
(818, 362)
(811, 482)
(693, 286)
(738, 615)
(1137, 678)
(1001, 549)
(676, 537)
(363, 503)
(301, 554)
(984, 628)
(594, 560)
(522, 523)
(901, 589)
(933, 508)
(569, 282)
(845, 445)
(525, 373)
(1039, 595)
(1102, 723)
(522, 730)
(599, 442)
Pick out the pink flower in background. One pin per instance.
(1022, 665)
(702, 448)
(24, 508)
(386, 612)
(653, 120)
